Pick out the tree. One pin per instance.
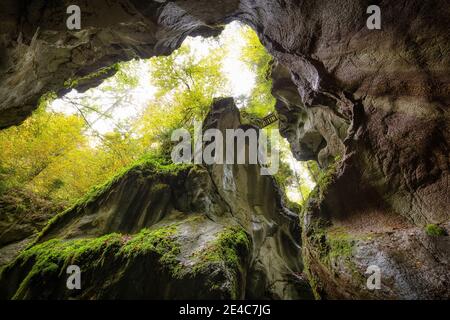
(254, 54)
(42, 140)
(186, 86)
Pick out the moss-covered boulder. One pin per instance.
(166, 261)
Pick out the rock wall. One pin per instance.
(377, 102)
(375, 99)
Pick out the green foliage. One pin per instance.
(51, 154)
(284, 175)
(260, 62)
(327, 247)
(314, 169)
(435, 230)
(186, 86)
(331, 244)
(44, 139)
(296, 180)
(124, 78)
(103, 72)
(341, 245)
(324, 179)
(46, 99)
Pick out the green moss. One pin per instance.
(220, 264)
(434, 230)
(340, 246)
(230, 248)
(227, 248)
(46, 99)
(324, 180)
(149, 166)
(327, 176)
(327, 247)
(51, 258)
(44, 264)
(161, 241)
(103, 72)
(332, 245)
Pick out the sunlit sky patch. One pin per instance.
(293, 191)
(136, 101)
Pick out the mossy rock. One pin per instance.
(434, 230)
(148, 265)
(150, 170)
(325, 248)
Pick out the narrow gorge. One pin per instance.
(370, 107)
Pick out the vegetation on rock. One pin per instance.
(46, 262)
(434, 230)
(50, 259)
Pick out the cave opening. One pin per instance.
(83, 138)
(87, 179)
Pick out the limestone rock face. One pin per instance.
(167, 231)
(256, 202)
(376, 99)
(349, 232)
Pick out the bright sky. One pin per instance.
(293, 192)
(137, 100)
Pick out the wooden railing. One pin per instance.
(269, 119)
(261, 123)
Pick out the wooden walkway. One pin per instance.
(260, 122)
(268, 120)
